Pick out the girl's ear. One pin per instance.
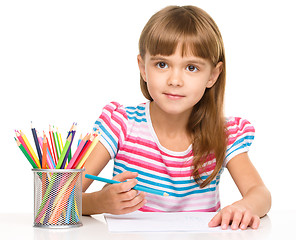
(215, 74)
(141, 65)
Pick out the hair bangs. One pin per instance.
(179, 26)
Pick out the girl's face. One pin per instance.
(176, 83)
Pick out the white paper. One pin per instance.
(161, 222)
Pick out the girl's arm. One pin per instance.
(256, 200)
(113, 198)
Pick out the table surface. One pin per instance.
(276, 225)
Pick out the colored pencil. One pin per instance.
(83, 152)
(61, 145)
(72, 131)
(50, 150)
(79, 140)
(44, 152)
(19, 137)
(70, 149)
(63, 154)
(56, 143)
(54, 152)
(50, 155)
(25, 153)
(137, 187)
(36, 143)
(49, 159)
(83, 160)
(36, 160)
(77, 152)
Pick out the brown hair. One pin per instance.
(199, 35)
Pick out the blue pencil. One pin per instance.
(137, 187)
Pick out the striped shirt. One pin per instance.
(129, 137)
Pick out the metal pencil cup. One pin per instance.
(57, 198)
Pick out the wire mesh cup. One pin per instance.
(57, 198)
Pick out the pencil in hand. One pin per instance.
(137, 187)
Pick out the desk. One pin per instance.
(276, 225)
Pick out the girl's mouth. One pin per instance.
(173, 96)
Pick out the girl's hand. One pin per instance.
(121, 198)
(236, 215)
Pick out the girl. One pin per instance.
(179, 141)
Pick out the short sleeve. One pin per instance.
(240, 137)
(112, 126)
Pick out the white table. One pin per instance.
(276, 225)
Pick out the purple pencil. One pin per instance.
(73, 131)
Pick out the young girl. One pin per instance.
(179, 141)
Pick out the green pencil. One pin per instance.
(63, 154)
(56, 143)
(25, 153)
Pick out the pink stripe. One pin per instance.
(231, 140)
(149, 209)
(119, 120)
(239, 123)
(153, 145)
(176, 200)
(179, 207)
(153, 167)
(163, 169)
(106, 121)
(212, 209)
(141, 141)
(155, 157)
(236, 121)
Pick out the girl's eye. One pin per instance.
(162, 65)
(192, 68)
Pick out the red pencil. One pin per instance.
(44, 152)
(86, 146)
(55, 156)
(19, 137)
(78, 151)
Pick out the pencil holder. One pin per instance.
(57, 198)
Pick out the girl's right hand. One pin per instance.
(121, 198)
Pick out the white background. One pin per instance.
(62, 61)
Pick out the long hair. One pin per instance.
(199, 35)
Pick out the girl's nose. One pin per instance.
(175, 78)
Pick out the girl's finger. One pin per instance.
(247, 218)
(133, 202)
(125, 186)
(236, 220)
(127, 196)
(226, 217)
(256, 222)
(134, 208)
(216, 220)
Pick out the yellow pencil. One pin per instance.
(36, 160)
(82, 161)
(60, 139)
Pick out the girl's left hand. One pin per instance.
(236, 215)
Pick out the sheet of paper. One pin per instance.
(161, 222)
